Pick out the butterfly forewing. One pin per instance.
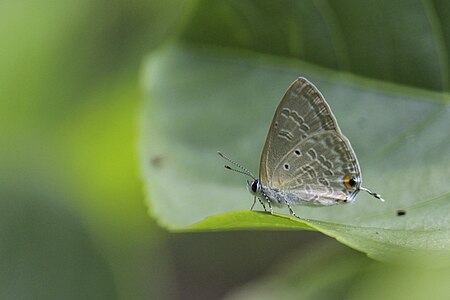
(301, 112)
(305, 152)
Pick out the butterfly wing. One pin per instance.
(325, 170)
(304, 135)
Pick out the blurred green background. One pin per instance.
(73, 220)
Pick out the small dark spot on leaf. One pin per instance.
(401, 212)
(157, 160)
(286, 166)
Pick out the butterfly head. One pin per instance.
(254, 186)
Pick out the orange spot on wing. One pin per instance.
(347, 182)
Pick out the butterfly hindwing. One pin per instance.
(317, 169)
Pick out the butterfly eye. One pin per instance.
(254, 186)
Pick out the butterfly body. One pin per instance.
(279, 198)
(306, 159)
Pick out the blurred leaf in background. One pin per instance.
(73, 222)
(327, 270)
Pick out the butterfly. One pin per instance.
(306, 159)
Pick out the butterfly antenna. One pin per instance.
(244, 170)
(238, 171)
(372, 193)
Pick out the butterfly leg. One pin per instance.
(291, 212)
(262, 203)
(270, 205)
(254, 201)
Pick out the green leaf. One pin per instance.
(202, 101)
(249, 219)
(202, 97)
